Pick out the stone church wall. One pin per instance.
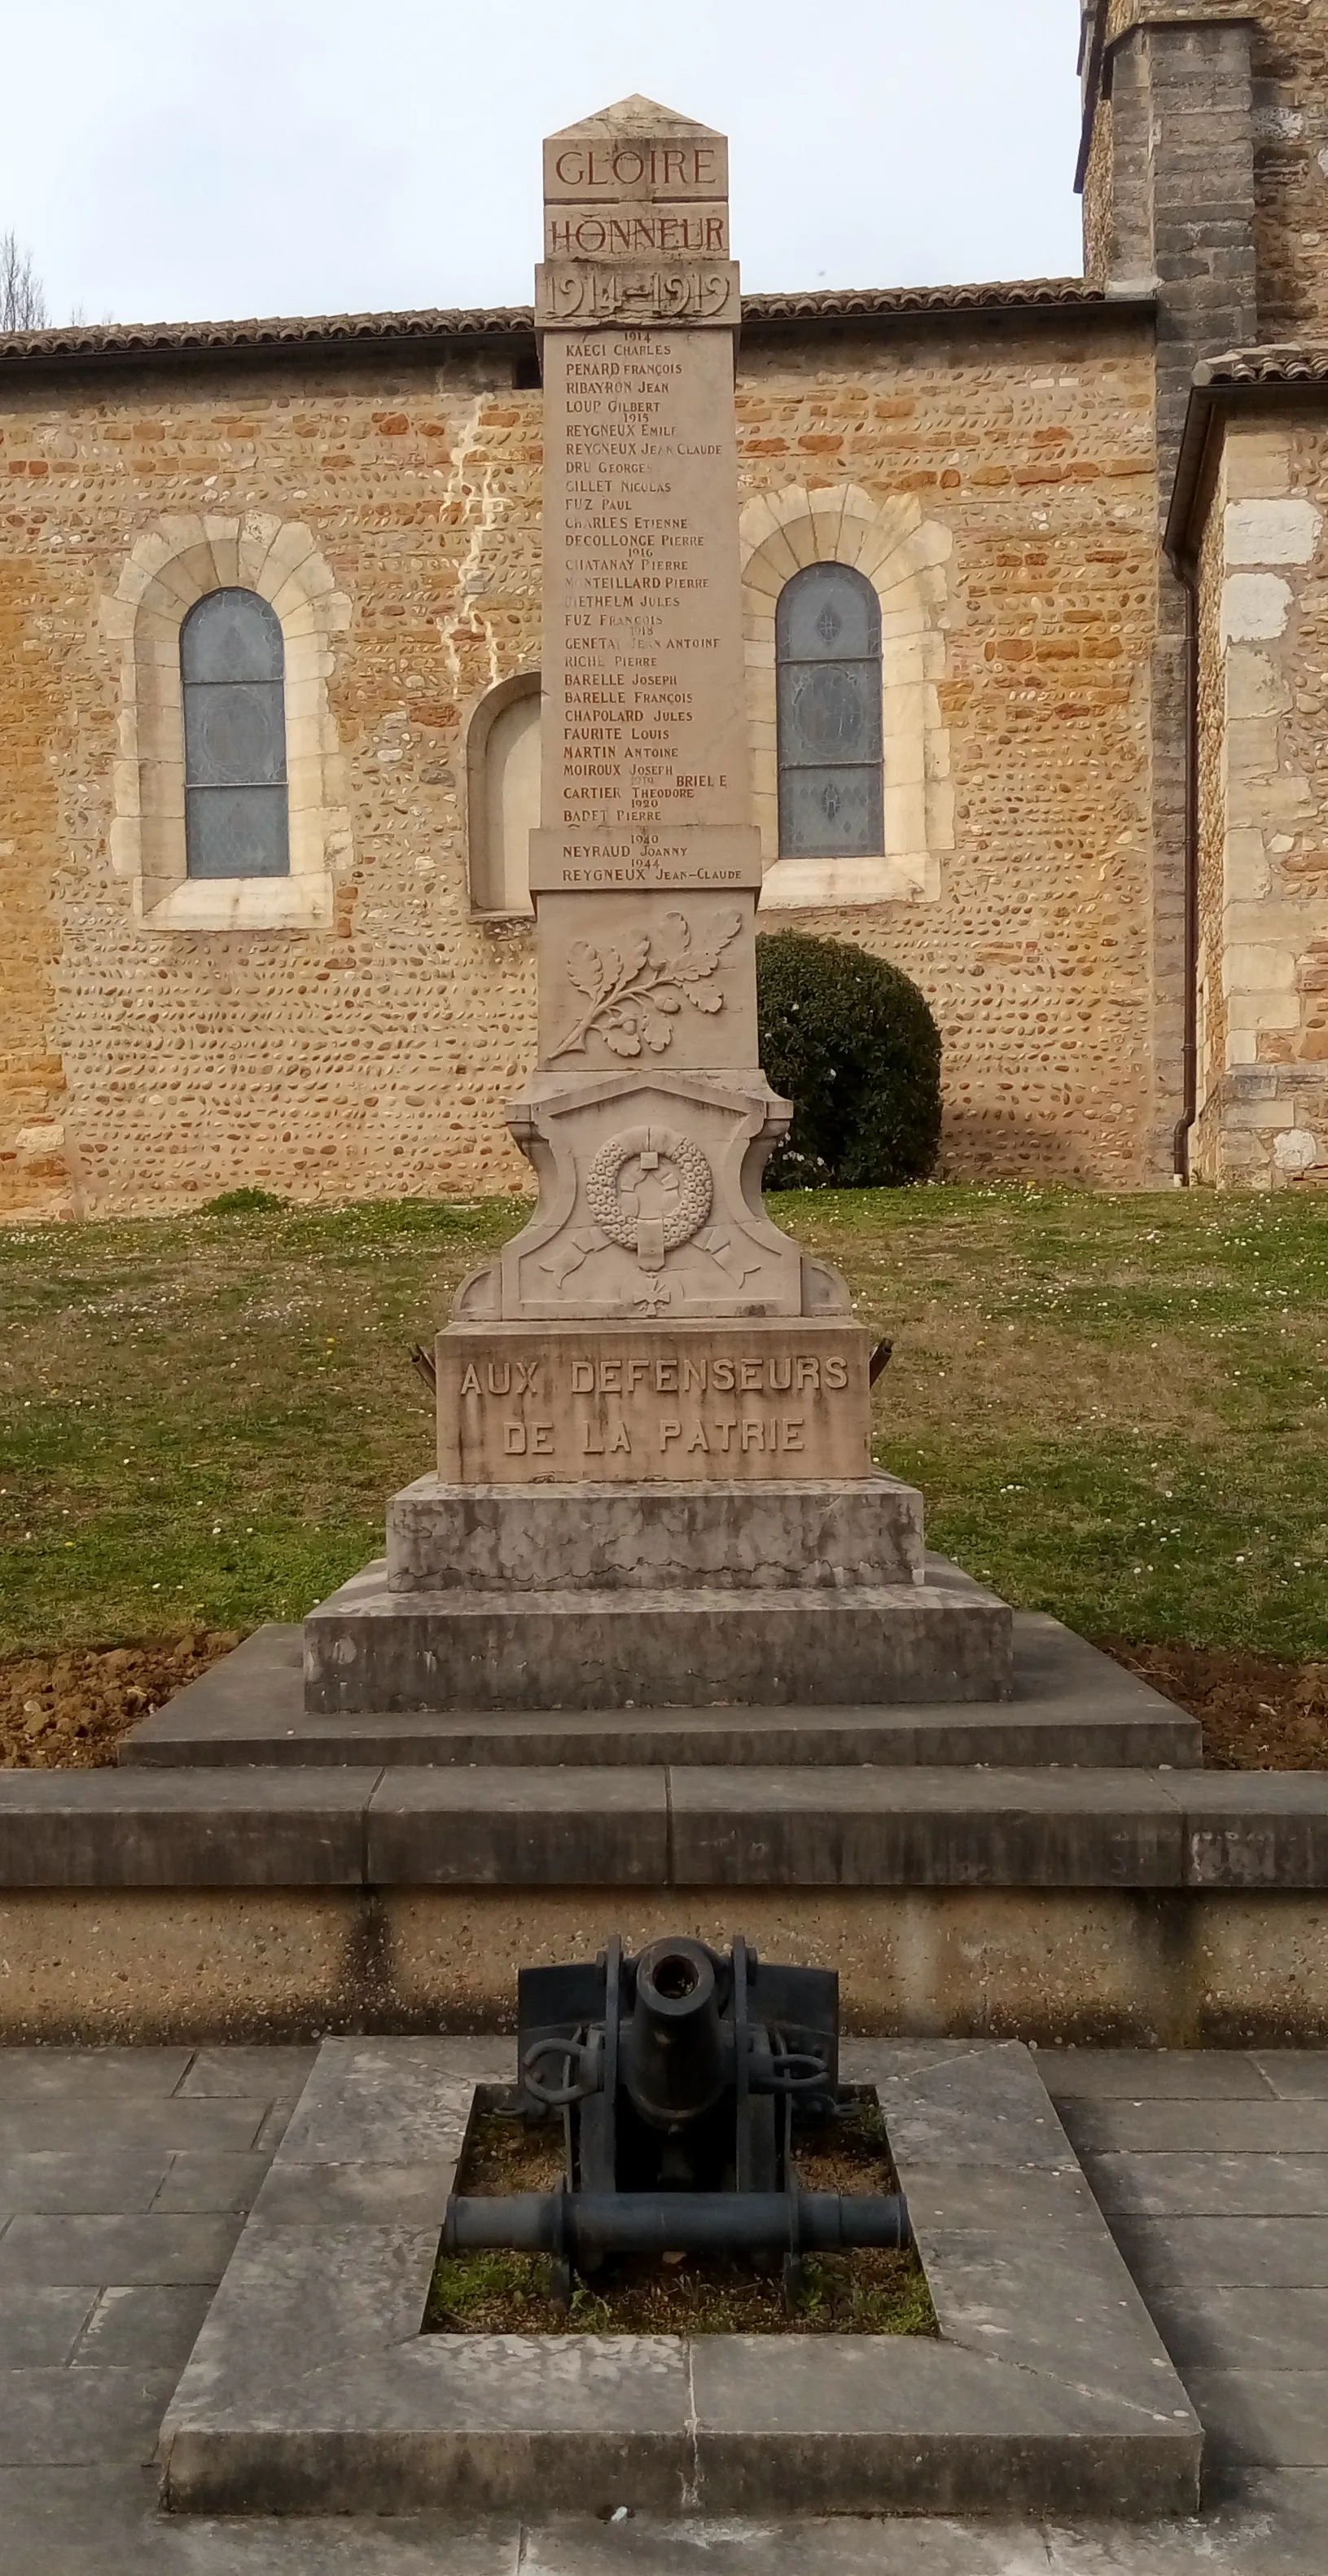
(1263, 1117)
(152, 1067)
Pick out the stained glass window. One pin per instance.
(828, 661)
(232, 666)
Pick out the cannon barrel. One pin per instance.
(674, 2064)
(587, 2226)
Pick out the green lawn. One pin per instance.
(1117, 1408)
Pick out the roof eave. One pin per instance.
(1216, 391)
(513, 327)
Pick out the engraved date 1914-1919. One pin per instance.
(635, 992)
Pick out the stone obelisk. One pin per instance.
(654, 1474)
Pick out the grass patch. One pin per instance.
(1116, 1408)
(871, 2291)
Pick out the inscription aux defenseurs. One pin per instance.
(715, 1406)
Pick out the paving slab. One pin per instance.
(1277, 2418)
(1163, 2074)
(275, 2072)
(311, 2383)
(1264, 2253)
(1209, 2327)
(1198, 2186)
(89, 2181)
(973, 2106)
(128, 2251)
(1276, 2525)
(1295, 2073)
(54, 2076)
(153, 2127)
(211, 2181)
(69, 2418)
(144, 2329)
(106, 2522)
(40, 2323)
(1245, 2128)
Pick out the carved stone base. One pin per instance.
(804, 1536)
(686, 1403)
(650, 1205)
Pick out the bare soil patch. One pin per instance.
(72, 1712)
(870, 2291)
(1257, 1714)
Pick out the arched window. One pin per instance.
(232, 668)
(503, 767)
(828, 665)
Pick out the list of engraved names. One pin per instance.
(641, 724)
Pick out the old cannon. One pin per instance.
(677, 2076)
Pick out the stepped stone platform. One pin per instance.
(1069, 1706)
(619, 1596)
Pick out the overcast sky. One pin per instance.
(202, 159)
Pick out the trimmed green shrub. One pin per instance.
(850, 1041)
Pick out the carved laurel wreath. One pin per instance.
(695, 1186)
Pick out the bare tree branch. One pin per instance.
(22, 303)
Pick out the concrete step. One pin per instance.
(372, 1649)
(1072, 1708)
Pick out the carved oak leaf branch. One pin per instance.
(634, 994)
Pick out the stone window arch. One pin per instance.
(503, 794)
(905, 560)
(168, 571)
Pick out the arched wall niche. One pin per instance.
(502, 795)
(906, 558)
(167, 570)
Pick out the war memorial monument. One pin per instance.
(654, 1480)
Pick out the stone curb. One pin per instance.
(312, 2389)
(662, 1826)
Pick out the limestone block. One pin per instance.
(1256, 463)
(1265, 801)
(1255, 607)
(650, 1202)
(1263, 1010)
(670, 974)
(601, 1537)
(653, 1401)
(1251, 746)
(370, 1649)
(1297, 1150)
(1271, 531)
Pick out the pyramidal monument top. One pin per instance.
(634, 115)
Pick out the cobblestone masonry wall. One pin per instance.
(378, 1057)
(1265, 1116)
